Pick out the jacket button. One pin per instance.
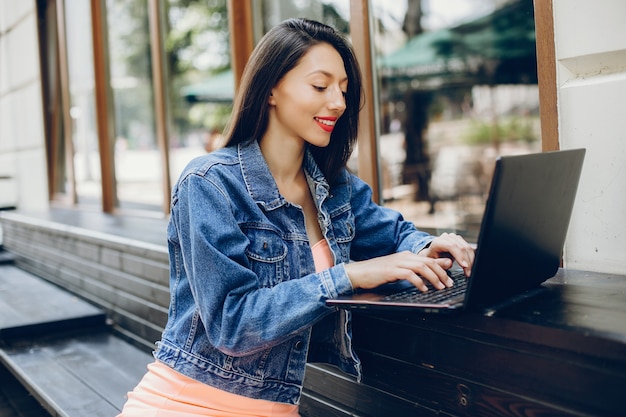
(299, 344)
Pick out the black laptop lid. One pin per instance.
(525, 224)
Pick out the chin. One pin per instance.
(320, 143)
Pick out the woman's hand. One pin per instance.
(403, 265)
(431, 264)
(452, 246)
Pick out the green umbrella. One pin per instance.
(219, 88)
(503, 40)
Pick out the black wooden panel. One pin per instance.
(534, 371)
(328, 385)
(450, 394)
(561, 349)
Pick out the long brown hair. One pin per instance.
(277, 53)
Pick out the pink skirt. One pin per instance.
(163, 392)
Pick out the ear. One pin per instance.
(271, 100)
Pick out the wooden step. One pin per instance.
(78, 375)
(6, 257)
(31, 306)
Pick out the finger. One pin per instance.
(415, 279)
(455, 247)
(420, 283)
(437, 275)
(461, 251)
(445, 263)
(471, 256)
(418, 270)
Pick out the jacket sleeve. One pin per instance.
(380, 230)
(240, 317)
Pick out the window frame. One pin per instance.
(242, 43)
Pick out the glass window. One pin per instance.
(200, 84)
(138, 168)
(85, 164)
(457, 84)
(332, 12)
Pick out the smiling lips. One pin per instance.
(326, 123)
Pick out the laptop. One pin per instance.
(519, 245)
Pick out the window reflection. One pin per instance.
(138, 169)
(457, 84)
(335, 13)
(86, 162)
(201, 84)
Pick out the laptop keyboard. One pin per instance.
(433, 296)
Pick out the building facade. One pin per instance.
(96, 115)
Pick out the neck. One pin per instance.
(284, 158)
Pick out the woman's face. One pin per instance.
(307, 102)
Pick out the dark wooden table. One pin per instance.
(559, 351)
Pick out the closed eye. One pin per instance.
(318, 88)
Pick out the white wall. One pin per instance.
(591, 73)
(22, 144)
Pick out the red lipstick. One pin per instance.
(326, 123)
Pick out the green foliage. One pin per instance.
(197, 44)
(131, 75)
(512, 129)
(197, 39)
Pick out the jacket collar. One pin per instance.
(260, 183)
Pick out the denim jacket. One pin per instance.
(247, 308)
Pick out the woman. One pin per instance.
(266, 229)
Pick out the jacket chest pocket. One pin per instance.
(344, 229)
(267, 254)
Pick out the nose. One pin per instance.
(336, 99)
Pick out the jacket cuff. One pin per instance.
(335, 281)
(423, 244)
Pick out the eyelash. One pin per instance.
(320, 89)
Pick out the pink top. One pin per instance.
(163, 392)
(322, 256)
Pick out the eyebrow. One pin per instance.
(326, 73)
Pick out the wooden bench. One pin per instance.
(60, 348)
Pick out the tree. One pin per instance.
(197, 45)
(416, 169)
